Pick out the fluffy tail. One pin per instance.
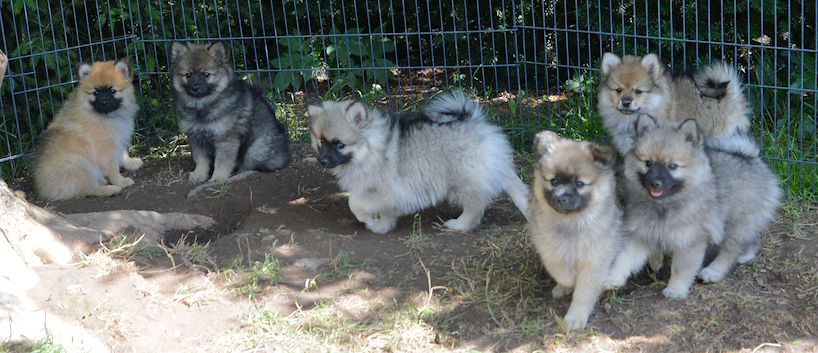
(737, 144)
(723, 109)
(718, 81)
(454, 106)
(518, 192)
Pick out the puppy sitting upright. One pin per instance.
(575, 221)
(393, 166)
(83, 147)
(229, 124)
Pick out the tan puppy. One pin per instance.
(575, 220)
(83, 147)
(632, 86)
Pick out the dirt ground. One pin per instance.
(287, 268)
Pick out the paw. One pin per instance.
(381, 224)
(674, 292)
(574, 322)
(219, 176)
(198, 176)
(710, 275)
(457, 225)
(106, 190)
(124, 182)
(132, 163)
(559, 291)
(614, 282)
(379, 227)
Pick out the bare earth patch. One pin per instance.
(287, 268)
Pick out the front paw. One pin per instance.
(219, 176)
(132, 163)
(710, 275)
(124, 182)
(675, 292)
(559, 291)
(198, 176)
(380, 225)
(574, 322)
(614, 282)
(457, 225)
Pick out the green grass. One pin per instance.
(45, 345)
(252, 280)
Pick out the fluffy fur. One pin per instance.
(671, 203)
(228, 122)
(394, 166)
(749, 194)
(631, 86)
(575, 220)
(82, 149)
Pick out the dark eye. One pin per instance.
(207, 74)
(339, 146)
(187, 74)
(672, 166)
(554, 181)
(618, 90)
(96, 92)
(638, 91)
(648, 164)
(323, 141)
(579, 184)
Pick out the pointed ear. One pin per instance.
(177, 49)
(124, 66)
(315, 109)
(609, 60)
(653, 66)
(357, 114)
(545, 141)
(643, 124)
(83, 70)
(691, 131)
(603, 154)
(219, 51)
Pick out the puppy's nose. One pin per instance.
(656, 183)
(626, 103)
(325, 162)
(565, 199)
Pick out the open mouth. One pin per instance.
(655, 193)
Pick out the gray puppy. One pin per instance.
(674, 202)
(228, 122)
(393, 166)
(749, 194)
(671, 203)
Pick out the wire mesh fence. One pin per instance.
(534, 63)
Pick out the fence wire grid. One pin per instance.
(534, 63)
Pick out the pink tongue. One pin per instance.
(655, 193)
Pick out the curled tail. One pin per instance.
(454, 106)
(718, 81)
(723, 109)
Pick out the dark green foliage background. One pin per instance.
(532, 49)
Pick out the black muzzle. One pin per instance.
(105, 101)
(197, 85)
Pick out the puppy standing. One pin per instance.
(394, 166)
(575, 220)
(83, 147)
(230, 125)
(631, 86)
